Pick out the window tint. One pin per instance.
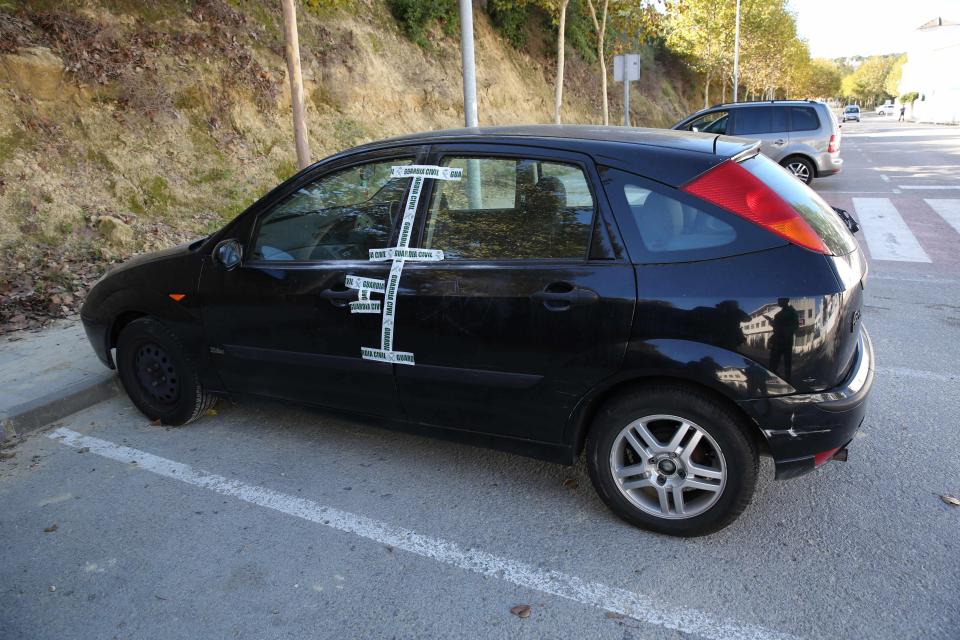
(511, 209)
(803, 119)
(713, 122)
(806, 202)
(666, 224)
(339, 216)
(754, 120)
(779, 119)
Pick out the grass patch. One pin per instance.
(284, 169)
(11, 143)
(215, 174)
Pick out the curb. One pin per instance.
(33, 414)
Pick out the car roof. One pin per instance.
(664, 155)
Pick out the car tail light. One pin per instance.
(833, 147)
(730, 186)
(822, 457)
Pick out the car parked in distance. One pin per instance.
(802, 135)
(851, 112)
(887, 108)
(673, 304)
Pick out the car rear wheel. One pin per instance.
(158, 375)
(801, 168)
(672, 460)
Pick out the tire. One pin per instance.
(801, 168)
(158, 375)
(722, 444)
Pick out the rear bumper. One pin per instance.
(829, 165)
(798, 427)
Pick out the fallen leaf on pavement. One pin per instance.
(950, 500)
(211, 412)
(613, 615)
(571, 483)
(156, 423)
(51, 528)
(83, 450)
(521, 610)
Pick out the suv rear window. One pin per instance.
(806, 202)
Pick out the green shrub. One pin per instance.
(509, 17)
(909, 97)
(416, 16)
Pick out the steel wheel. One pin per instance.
(800, 170)
(156, 374)
(668, 466)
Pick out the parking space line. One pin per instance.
(948, 208)
(888, 236)
(627, 603)
(928, 186)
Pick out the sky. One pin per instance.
(836, 28)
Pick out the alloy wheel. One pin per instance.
(799, 170)
(668, 466)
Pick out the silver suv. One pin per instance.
(802, 135)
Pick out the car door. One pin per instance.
(280, 325)
(768, 124)
(532, 303)
(807, 133)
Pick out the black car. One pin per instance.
(674, 303)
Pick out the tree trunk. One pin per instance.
(706, 92)
(558, 100)
(601, 29)
(292, 50)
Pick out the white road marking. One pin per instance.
(928, 186)
(918, 373)
(627, 603)
(888, 236)
(885, 177)
(949, 210)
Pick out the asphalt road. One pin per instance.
(266, 521)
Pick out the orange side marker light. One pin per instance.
(177, 297)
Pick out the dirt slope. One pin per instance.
(126, 126)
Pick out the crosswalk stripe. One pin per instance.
(948, 208)
(888, 236)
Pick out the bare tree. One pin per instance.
(292, 49)
(561, 29)
(601, 28)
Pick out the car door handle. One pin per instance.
(339, 297)
(780, 142)
(560, 296)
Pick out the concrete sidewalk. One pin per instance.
(48, 374)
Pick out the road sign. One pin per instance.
(632, 61)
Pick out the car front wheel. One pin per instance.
(158, 375)
(672, 460)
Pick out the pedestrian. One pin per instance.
(903, 109)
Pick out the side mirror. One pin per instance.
(228, 253)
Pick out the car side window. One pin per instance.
(666, 224)
(511, 209)
(803, 119)
(754, 120)
(713, 122)
(661, 225)
(339, 216)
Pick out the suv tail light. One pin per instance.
(833, 147)
(731, 187)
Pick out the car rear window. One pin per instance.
(806, 202)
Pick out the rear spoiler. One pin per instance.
(739, 149)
